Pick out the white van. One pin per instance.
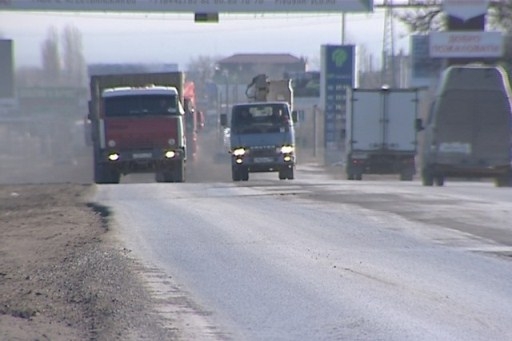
(468, 133)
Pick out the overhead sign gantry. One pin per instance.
(205, 10)
(194, 6)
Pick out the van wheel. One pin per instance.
(235, 174)
(289, 173)
(240, 173)
(244, 174)
(282, 173)
(358, 176)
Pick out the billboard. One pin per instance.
(194, 6)
(466, 44)
(6, 69)
(337, 73)
(423, 67)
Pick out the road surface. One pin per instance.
(323, 259)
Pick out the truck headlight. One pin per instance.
(239, 152)
(287, 149)
(113, 156)
(170, 154)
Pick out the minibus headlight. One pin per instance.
(239, 152)
(287, 149)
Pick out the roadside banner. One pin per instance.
(466, 44)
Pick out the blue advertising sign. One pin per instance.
(423, 68)
(338, 70)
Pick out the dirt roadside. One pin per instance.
(62, 275)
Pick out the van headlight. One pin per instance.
(286, 149)
(239, 152)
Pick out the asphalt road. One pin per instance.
(322, 259)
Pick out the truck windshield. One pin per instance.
(260, 118)
(146, 105)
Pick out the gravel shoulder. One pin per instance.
(63, 276)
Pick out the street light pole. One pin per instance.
(226, 80)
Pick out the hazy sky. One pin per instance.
(175, 38)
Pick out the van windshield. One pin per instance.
(137, 105)
(260, 118)
(474, 107)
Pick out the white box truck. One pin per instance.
(381, 132)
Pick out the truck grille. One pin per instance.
(263, 151)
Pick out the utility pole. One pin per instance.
(388, 75)
(343, 25)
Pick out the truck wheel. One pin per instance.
(406, 175)
(164, 176)
(179, 172)
(159, 177)
(439, 180)
(99, 174)
(427, 178)
(106, 175)
(116, 177)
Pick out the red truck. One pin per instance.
(194, 120)
(137, 126)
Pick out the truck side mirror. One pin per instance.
(223, 120)
(295, 117)
(418, 124)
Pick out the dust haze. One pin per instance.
(53, 149)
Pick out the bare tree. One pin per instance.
(423, 19)
(50, 56)
(202, 68)
(73, 59)
(429, 16)
(500, 15)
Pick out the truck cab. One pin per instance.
(137, 126)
